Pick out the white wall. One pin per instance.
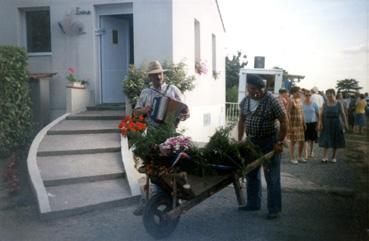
(208, 97)
(163, 30)
(152, 26)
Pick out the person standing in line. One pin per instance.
(346, 102)
(316, 97)
(260, 112)
(351, 112)
(311, 118)
(283, 97)
(331, 130)
(360, 121)
(296, 126)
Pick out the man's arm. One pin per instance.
(283, 124)
(241, 127)
(283, 128)
(142, 107)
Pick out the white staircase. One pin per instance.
(78, 164)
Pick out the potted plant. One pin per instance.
(74, 82)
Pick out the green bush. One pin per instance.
(137, 79)
(15, 104)
(232, 94)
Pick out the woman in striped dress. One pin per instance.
(296, 126)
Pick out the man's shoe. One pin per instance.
(272, 215)
(248, 208)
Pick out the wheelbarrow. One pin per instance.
(179, 192)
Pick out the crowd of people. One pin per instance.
(299, 117)
(314, 116)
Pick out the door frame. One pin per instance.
(105, 10)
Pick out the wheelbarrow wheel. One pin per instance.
(155, 222)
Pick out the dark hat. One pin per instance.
(256, 80)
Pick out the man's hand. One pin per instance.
(278, 147)
(142, 111)
(146, 110)
(184, 116)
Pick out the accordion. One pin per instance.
(164, 108)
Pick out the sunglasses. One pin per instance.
(307, 95)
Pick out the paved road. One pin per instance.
(319, 203)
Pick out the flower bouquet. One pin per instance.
(174, 145)
(131, 124)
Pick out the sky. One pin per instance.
(324, 40)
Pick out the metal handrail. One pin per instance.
(232, 112)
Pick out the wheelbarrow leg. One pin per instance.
(239, 190)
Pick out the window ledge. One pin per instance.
(40, 54)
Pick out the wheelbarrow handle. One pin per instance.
(258, 162)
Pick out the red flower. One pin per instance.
(140, 126)
(132, 123)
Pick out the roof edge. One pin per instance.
(220, 15)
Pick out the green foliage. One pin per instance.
(233, 66)
(146, 145)
(232, 94)
(223, 150)
(176, 75)
(348, 86)
(137, 79)
(15, 104)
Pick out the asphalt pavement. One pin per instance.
(320, 203)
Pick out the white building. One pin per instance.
(100, 38)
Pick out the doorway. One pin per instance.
(116, 55)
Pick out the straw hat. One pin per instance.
(155, 68)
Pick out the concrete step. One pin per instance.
(118, 106)
(67, 127)
(98, 115)
(60, 170)
(53, 145)
(81, 197)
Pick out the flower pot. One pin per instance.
(77, 85)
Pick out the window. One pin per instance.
(197, 41)
(38, 38)
(214, 53)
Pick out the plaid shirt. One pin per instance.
(263, 122)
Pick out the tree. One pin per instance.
(348, 86)
(233, 66)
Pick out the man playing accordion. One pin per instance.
(149, 105)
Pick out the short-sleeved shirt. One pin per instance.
(318, 99)
(147, 95)
(360, 107)
(263, 122)
(310, 112)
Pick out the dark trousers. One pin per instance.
(272, 173)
